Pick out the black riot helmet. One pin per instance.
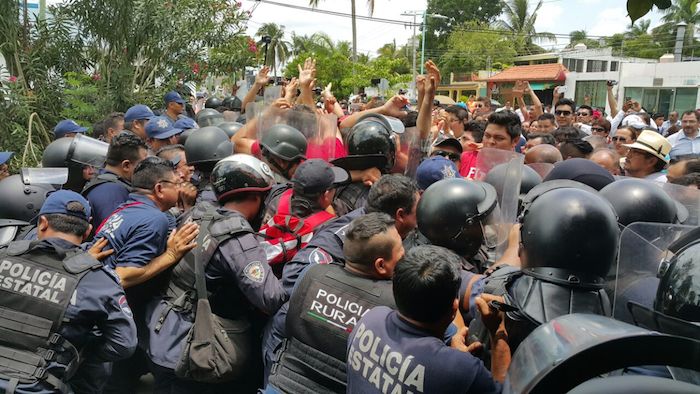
(370, 144)
(678, 294)
(213, 102)
(284, 142)
(498, 175)
(232, 103)
(230, 128)
(75, 153)
(56, 154)
(21, 201)
(636, 200)
(571, 230)
(209, 117)
(452, 212)
(207, 146)
(240, 173)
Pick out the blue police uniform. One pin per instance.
(97, 302)
(238, 277)
(138, 233)
(325, 246)
(105, 198)
(387, 354)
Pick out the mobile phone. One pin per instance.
(612, 83)
(561, 89)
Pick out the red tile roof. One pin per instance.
(535, 72)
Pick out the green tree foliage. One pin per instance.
(519, 21)
(277, 49)
(472, 46)
(458, 13)
(581, 37)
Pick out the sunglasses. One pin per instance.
(622, 139)
(597, 129)
(562, 113)
(479, 106)
(450, 155)
(582, 114)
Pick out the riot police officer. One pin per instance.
(21, 203)
(637, 200)
(372, 248)
(81, 155)
(203, 150)
(112, 185)
(64, 293)
(209, 117)
(370, 145)
(560, 273)
(282, 147)
(238, 278)
(213, 103)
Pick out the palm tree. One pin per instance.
(638, 29)
(278, 48)
(390, 50)
(683, 11)
(370, 6)
(520, 23)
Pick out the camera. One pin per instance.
(266, 39)
(612, 83)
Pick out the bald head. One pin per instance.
(608, 159)
(543, 153)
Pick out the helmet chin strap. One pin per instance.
(274, 164)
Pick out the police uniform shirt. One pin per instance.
(98, 301)
(105, 198)
(325, 246)
(386, 354)
(138, 233)
(239, 262)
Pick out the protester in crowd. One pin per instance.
(608, 159)
(687, 143)
(659, 120)
(573, 148)
(647, 156)
(546, 123)
(543, 153)
(673, 120)
(601, 128)
(565, 112)
(623, 136)
(112, 125)
(176, 155)
(457, 117)
(534, 139)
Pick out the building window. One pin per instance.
(596, 66)
(664, 100)
(613, 66)
(596, 90)
(574, 65)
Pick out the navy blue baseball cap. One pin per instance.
(161, 128)
(6, 156)
(317, 175)
(173, 96)
(67, 126)
(57, 202)
(138, 112)
(185, 123)
(434, 169)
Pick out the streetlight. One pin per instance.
(413, 39)
(422, 48)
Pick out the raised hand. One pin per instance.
(307, 74)
(394, 106)
(262, 79)
(433, 70)
(290, 90)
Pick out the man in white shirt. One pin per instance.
(648, 156)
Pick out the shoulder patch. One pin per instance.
(320, 256)
(255, 272)
(124, 306)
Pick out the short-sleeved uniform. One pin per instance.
(138, 233)
(387, 354)
(98, 303)
(105, 198)
(237, 270)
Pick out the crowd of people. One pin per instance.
(292, 242)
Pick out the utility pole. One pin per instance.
(413, 45)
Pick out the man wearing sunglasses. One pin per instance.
(565, 112)
(447, 147)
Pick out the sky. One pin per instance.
(597, 17)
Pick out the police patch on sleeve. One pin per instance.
(124, 306)
(255, 272)
(320, 256)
